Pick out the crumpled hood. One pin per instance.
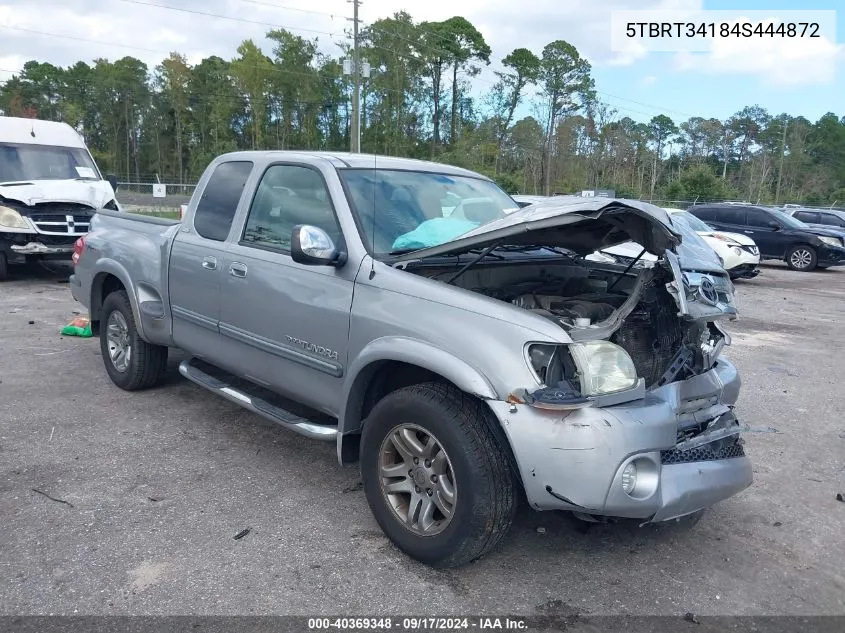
(94, 193)
(587, 225)
(581, 225)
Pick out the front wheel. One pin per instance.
(130, 361)
(801, 258)
(436, 475)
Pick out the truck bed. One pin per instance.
(135, 249)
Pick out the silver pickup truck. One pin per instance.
(468, 353)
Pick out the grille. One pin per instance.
(706, 453)
(61, 224)
(751, 249)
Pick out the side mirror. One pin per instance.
(112, 180)
(773, 225)
(312, 246)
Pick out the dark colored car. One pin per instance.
(777, 234)
(830, 219)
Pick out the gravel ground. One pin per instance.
(155, 485)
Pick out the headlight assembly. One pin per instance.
(832, 241)
(11, 219)
(573, 374)
(603, 368)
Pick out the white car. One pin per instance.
(739, 254)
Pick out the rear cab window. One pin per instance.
(216, 208)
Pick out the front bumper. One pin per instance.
(831, 256)
(37, 248)
(575, 461)
(744, 271)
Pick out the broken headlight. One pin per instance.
(710, 289)
(595, 368)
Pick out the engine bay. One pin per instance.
(630, 307)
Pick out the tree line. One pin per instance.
(540, 127)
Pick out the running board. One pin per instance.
(256, 404)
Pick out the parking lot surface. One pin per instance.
(148, 490)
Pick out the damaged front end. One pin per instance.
(631, 413)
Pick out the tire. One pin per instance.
(4, 267)
(801, 258)
(482, 481)
(143, 364)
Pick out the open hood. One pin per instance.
(94, 193)
(581, 225)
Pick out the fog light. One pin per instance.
(629, 478)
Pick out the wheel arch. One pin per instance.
(390, 363)
(110, 278)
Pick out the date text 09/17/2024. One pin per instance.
(417, 623)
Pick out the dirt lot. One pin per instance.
(156, 485)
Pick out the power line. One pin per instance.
(227, 17)
(287, 8)
(372, 27)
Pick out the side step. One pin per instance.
(197, 371)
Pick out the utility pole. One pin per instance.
(782, 152)
(355, 131)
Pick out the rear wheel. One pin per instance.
(436, 475)
(130, 361)
(801, 258)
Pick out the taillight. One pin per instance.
(78, 249)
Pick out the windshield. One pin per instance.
(788, 220)
(401, 211)
(24, 163)
(692, 222)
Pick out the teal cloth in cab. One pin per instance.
(433, 233)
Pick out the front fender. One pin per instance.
(414, 352)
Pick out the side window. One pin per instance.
(832, 220)
(807, 216)
(286, 196)
(731, 215)
(759, 218)
(219, 201)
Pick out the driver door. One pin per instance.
(769, 240)
(291, 321)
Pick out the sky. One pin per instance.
(791, 77)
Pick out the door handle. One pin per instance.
(209, 263)
(750, 232)
(236, 269)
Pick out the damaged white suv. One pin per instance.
(464, 351)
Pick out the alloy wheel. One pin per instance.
(117, 339)
(801, 258)
(417, 479)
